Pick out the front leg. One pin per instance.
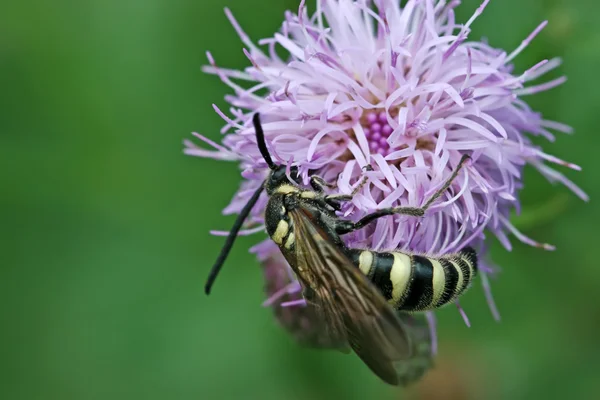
(332, 200)
(335, 200)
(344, 226)
(319, 184)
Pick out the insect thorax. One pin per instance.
(275, 213)
(284, 199)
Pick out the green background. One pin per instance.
(105, 243)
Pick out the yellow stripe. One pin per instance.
(285, 189)
(471, 268)
(365, 261)
(280, 232)
(438, 281)
(399, 276)
(308, 194)
(471, 273)
(459, 282)
(290, 240)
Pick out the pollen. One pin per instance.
(377, 130)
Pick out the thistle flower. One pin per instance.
(399, 88)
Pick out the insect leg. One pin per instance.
(347, 197)
(344, 226)
(437, 194)
(319, 184)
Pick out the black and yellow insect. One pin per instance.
(356, 308)
(412, 282)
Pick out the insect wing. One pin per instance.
(421, 361)
(352, 308)
(305, 324)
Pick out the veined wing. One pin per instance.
(304, 324)
(353, 309)
(421, 361)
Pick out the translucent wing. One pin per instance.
(304, 324)
(421, 361)
(352, 308)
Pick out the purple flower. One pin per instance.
(400, 89)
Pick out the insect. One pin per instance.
(412, 282)
(355, 307)
(310, 334)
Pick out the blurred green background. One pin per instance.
(105, 244)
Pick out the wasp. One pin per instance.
(355, 305)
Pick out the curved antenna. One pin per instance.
(231, 239)
(260, 140)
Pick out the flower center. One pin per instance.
(377, 130)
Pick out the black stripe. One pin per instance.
(420, 286)
(354, 255)
(381, 269)
(287, 235)
(470, 255)
(464, 267)
(451, 280)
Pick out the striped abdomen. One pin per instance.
(415, 283)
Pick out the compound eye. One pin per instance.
(279, 175)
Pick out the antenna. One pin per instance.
(262, 146)
(260, 140)
(231, 239)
